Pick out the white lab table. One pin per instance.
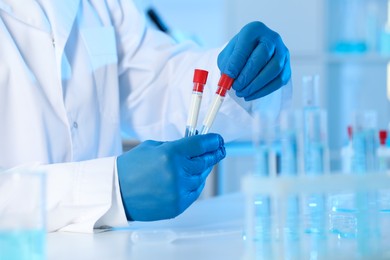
(223, 216)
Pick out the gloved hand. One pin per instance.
(159, 180)
(257, 59)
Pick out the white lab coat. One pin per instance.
(73, 75)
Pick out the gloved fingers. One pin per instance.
(197, 165)
(271, 71)
(199, 145)
(225, 54)
(256, 62)
(281, 80)
(189, 197)
(192, 182)
(194, 194)
(234, 57)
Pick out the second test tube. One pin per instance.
(200, 78)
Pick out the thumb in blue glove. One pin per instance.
(159, 180)
(257, 59)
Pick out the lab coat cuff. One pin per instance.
(93, 190)
(115, 216)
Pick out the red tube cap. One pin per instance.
(382, 136)
(225, 82)
(200, 76)
(350, 132)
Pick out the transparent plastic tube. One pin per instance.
(315, 155)
(200, 78)
(383, 154)
(262, 203)
(224, 84)
(364, 142)
(315, 141)
(289, 158)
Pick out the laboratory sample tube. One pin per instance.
(366, 204)
(224, 84)
(261, 140)
(383, 152)
(262, 202)
(289, 156)
(288, 160)
(200, 78)
(315, 155)
(315, 143)
(364, 142)
(347, 153)
(310, 91)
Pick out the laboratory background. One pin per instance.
(315, 187)
(345, 43)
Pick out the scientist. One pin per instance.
(75, 73)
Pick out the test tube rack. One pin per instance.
(288, 236)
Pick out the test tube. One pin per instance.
(364, 142)
(224, 84)
(200, 78)
(289, 157)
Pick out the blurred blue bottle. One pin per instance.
(385, 34)
(350, 18)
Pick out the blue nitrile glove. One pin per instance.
(257, 59)
(159, 180)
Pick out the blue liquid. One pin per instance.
(314, 142)
(263, 228)
(288, 155)
(343, 221)
(292, 221)
(364, 147)
(315, 215)
(262, 218)
(355, 215)
(350, 47)
(261, 160)
(22, 245)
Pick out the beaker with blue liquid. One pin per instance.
(22, 215)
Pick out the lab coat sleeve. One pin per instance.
(82, 196)
(156, 83)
